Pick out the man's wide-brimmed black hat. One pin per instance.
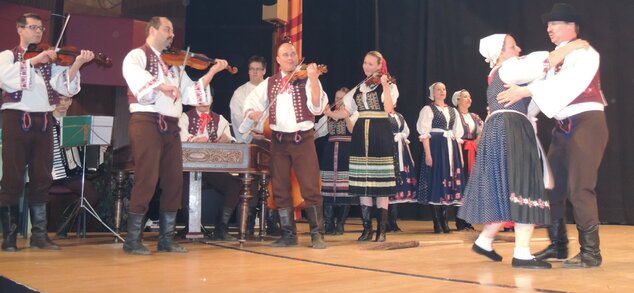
(562, 12)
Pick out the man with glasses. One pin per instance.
(32, 88)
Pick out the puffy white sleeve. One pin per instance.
(224, 129)
(141, 83)
(423, 125)
(194, 93)
(60, 81)
(558, 90)
(348, 101)
(457, 129)
(321, 127)
(323, 99)
(14, 76)
(521, 70)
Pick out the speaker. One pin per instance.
(277, 13)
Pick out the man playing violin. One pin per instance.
(156, 95)
(32, 87)
(294, 104)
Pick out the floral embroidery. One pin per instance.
(528, 202)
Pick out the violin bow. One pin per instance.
(268, 107)
(61, 35)
(180, 75)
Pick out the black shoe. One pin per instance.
(492, 255)
(530, 264)
(553, 251)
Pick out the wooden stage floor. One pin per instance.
(442, 262)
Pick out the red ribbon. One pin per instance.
(471, 147)
(205, 118)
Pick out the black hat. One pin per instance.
(562, 12)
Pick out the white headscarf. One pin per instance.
(431, 90)
(491, 48)
(455, 97)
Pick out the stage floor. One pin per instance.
(441, 262)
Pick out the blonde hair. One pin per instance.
(376, 54)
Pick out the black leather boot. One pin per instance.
(167, 225)
(367, 223)
(442, 218)
(289, 229)
(273, 226)
(39, 232)
(381, 220)
(558, 249)
(392, 225)
(329, 219)
(316, 223)
(590, 255)
(222, 228)
(435, 211)
(134, 239)
(342, 215)
(462, 225)
(9, 219)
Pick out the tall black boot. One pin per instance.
(329, 218)
(134, 239)
(435, 211)
(273, 226)
(462, 225)
(39, 235)
(366, 213)
(167, 225)
(590, 255)
(315, 217)
(392, 225)
(9, 219)
(222, 227)
(381, 220)
(442, 218)
(342, 215)
(558, 248)
(288, 227)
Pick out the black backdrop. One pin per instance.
(433, 40)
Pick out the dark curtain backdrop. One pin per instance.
(434, 40)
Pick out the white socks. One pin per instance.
(484, 242)
(523, 253)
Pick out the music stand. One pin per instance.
(83, 131)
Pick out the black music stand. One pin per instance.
(82, 131)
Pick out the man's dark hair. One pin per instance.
(259, 59)
(21, 22)
(154, 22)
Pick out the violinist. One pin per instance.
(293, 106)
(32, 88)
(371, 166)
(156, 94)
(333, 162)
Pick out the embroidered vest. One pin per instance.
(152, 65)
(592, 93)
(338, 128)
(194, 124)
(469, 133)
(373, 100)
(298, 93)
(45, 71)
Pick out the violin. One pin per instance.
(375, 79)
(301, 73)
(194, 60)
(65, 55)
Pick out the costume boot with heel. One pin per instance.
(39, 233)
(590, 255)
(366, 212)
(222, 228)
(167, 227)
(316, 223)
(134, 239)
(342, 215)
(288, 227)
(381, 219)
(9, 219)
(558, 249)
(329, 218)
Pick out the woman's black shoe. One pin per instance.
(494, 256)
(530, 264)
